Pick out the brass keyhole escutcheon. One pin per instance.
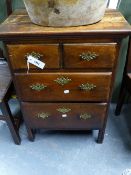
(63, 80)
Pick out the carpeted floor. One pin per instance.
(69, 153)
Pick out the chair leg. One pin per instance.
(10, 122)
(1, 53)
(120, 99)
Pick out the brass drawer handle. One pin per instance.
(34, 54)
(63, 80)
(85, 116)
(88, 56)
(87, 87)
(63, 110)
(43, 115)
(38, 87)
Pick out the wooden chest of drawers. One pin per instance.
(73, 91)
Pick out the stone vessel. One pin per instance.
(60, 13)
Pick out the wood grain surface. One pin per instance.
(19, 24)
(49, 55)
(55, 91)
(72, 121)
(106, 55)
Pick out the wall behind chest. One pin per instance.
(16, 4)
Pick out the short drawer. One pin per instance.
(63, 86)
(49, 54)
(90, 55)
(64, 115)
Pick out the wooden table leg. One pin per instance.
(121, 98)
(101, 136)
(31, 134)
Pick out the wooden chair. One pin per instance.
(6, 90)
(126, 82)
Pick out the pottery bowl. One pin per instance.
(60, 13)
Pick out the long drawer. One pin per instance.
(91, 55)
(63, 86)
(64, 115)
(47, 53)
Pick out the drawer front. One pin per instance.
(90, 55)
(49, 54)
(64, 115)
(63, 86)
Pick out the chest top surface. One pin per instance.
(18, 24)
